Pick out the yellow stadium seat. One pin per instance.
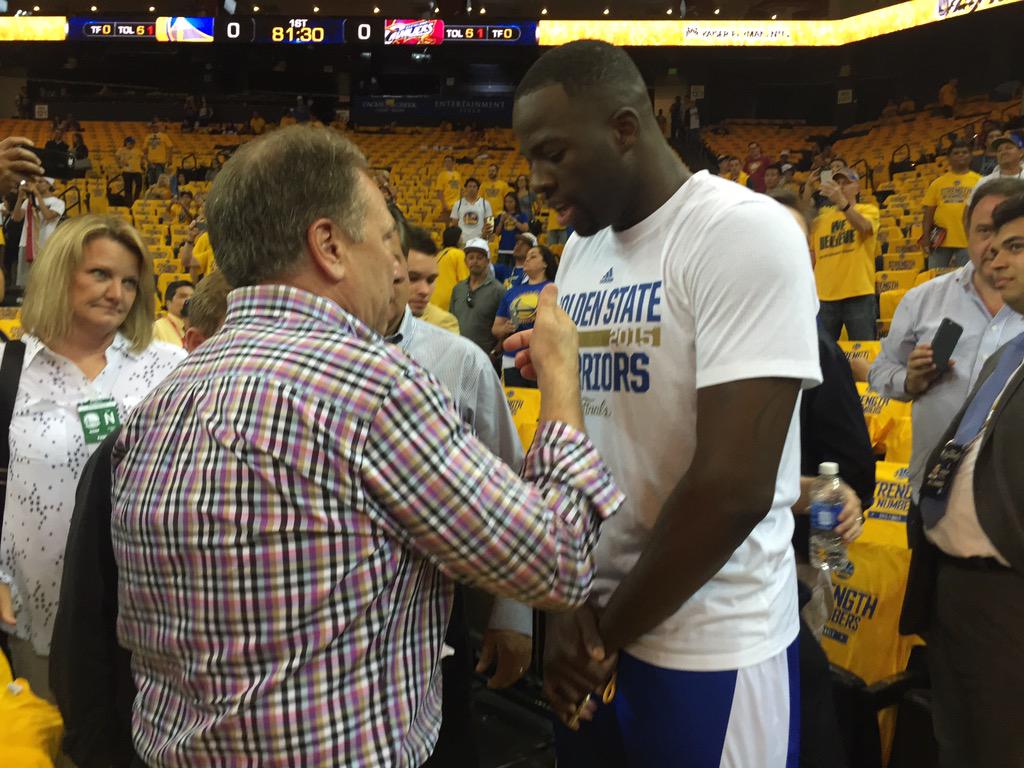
(11, 328)
(930, 274)
(865, 350)
(165, 279)
(887, 303)
(908, 261)
(898, 280)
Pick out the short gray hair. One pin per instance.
(267, 195)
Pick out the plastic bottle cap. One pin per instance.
(828, 468)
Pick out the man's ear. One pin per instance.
(193, 338)
(626, 124)
(329, 247)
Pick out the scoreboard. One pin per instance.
(163, 29)
(314, 30)
(437, 32)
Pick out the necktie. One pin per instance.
(973, 421)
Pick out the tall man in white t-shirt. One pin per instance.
(41, 210)
(472, 213)
(696, 304)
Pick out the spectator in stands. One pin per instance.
(755, 166)
(907, 105)
(41, 210)
(257, 124)
(170, 328)
(451, 267)
(788, 183)
(988, 161)
(481, 403)
(948, 95)
(204, 116)
(518, 308)
(662, 122)
(843, 243)
(57, 143)
(675, 114)
(423, 274)
(204, 312)
(705, 501)
(511, 221)
(494, 189)
(184, 208)
(965, 592)
(1008, 154)
(17, 163)
(969, 296)
(129, 160)
(691, 119)
(448, 185)
(158, 151)
(729, 168)
(475, 300)
(161, 190)
(513, 274)
(472, 213)
(773, 177)
(382, 546)
(88, 321)
(81, 154)
(301, 110)
(527, 199)
(890, 108)
(944, 238)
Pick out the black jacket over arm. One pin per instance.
(90, 673)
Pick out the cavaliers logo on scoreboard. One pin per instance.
(413, 32)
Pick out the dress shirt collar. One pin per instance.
(966, 277)
(34, 345)
(291, 306)
(403, 336)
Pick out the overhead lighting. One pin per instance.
(316, 9)
(152, 8)
(35, 8)
(717, 11)
(668, 12)
(543, 11)
(436, 9)
(775, 16)
(255, 9)
(607, 11)
(93, 8)
(376, 9)
(482, 10)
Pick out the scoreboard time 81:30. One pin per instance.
(296, 30)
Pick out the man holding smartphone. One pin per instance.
(906, 370)
(965, 591)
(41, 210)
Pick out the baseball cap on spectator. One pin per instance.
(784, 153)
(1008, 137)
(786, 168)
(847, 173)
(477, 244)
(528, 237)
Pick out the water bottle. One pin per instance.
(828, 550)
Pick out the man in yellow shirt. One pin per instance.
(494, 190)
(944, 205)
(423, 271)
(448, 186)
(729, 167)
(197, 257)
(129, 160)
(170, 328)
(843, 242)
(158, 149)
(451, 264)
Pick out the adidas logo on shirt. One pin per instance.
(608, 277)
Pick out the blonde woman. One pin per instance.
(89, 358)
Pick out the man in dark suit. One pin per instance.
(966, 587)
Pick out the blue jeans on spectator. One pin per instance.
(153, 173)
(944, 258)
(858, 314)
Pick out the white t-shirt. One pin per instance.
(46, 228)
(715, 286)
(470, 217)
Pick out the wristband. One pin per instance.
(848, 206)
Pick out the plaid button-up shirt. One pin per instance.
(289, 508)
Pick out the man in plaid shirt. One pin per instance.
(292, 504)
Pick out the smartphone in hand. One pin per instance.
(944, 342)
